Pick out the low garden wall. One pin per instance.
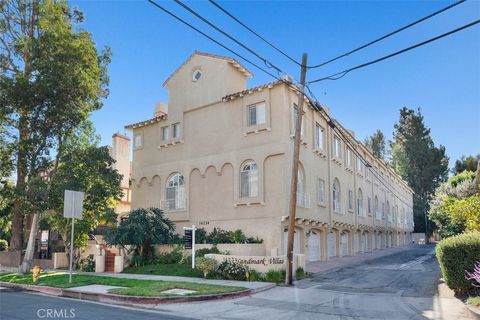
(10, 259)
(237, 249)
(60, 260)
(261, 264)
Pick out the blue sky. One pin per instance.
(442, 78)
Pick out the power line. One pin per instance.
(213, 40)
(388, 34)
(343, 73)
(265, 61)
(255, 33)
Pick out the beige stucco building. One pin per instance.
(220, 155)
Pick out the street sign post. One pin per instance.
(72, 208)
(190, 241)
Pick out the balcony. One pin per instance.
(303, 200)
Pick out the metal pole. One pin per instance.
(293, 186)
(193, 247)
(71, 251)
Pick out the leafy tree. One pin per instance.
(88, 169)
(376, 143)
(469, 163)
(455, 208)
(416, 158)
(52, 77)
(142, 229)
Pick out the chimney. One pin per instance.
(160, 109)
(120, 152)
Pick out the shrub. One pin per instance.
(300, 273)
(253, 275)
(87, 264)
(170, 258)
(202, 252)
(206, 265)
(233, 270)
(274, 276)
(457, 256)
(3, 245)
(475, 275)
(139, 261)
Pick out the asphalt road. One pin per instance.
(22, 305)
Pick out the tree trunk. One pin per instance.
(27, 260)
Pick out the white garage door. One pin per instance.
(332, 248)
(356, 242)
(314, 246)
(296, 242)
(364, 243)
(344, 244)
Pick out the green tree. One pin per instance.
(469, 163)
(52, 77)
(142, 229)
(416, 158)
(376, 143)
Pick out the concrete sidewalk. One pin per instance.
(256, 286)
(340, 262)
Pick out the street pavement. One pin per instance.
(403, 285)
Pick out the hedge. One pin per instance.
(456, 255)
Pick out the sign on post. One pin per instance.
(190, 242)
(72, 208)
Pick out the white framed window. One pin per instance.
(336, 196)
(389, 216)
(321, 190)
(376, 208)
(359, 165)
(175, 193)
(295, 118)
(336, 147)
(249, 180)
(256, 114)
(350, 200)
(360, 202)
(319, 136)
(176, 130)
(348, 156)
(303, 198)
(369, 205)
(383, 210)
(165, 133)
(138, 141)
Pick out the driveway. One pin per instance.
(403, 285)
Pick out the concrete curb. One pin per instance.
(132, 300)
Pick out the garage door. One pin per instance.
(314, 246)
(344, 244)
(296, 243)
(332, 248)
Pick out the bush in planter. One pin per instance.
(3, 245)
(254, 275)
(457, 255)
(300, 273)
(170, 258)
(87, 264)
(274, 276)
(206, 265)
(202, 252)
(233, 270)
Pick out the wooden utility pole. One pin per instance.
(293, 186)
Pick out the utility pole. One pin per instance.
(293, 186)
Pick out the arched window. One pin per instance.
(360, 202)
(300, 181)
(336, 196)
(175, 193)
(303, 199)
(249, 180)
(375, 207)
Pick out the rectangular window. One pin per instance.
(256, 114)
(165, 133)
(350, 199)
(176, 130)
(319, 136)
(295, 118)
(336, 145)
(383, 211)
(321, 191)
(359, 165)
(138, 141)
(369, 205)
(348, 157)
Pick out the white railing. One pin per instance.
(303, 200)
(173, 204)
